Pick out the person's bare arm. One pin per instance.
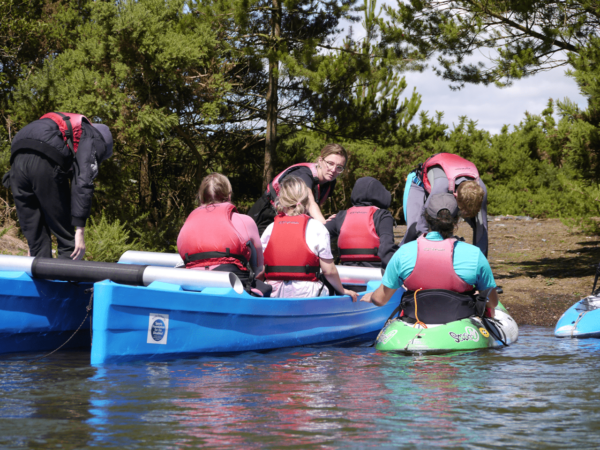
(331, 274)
(313, 209)
(379, 296)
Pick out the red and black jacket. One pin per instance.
(82, 149)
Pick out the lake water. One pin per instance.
(542, 392)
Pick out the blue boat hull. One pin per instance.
(582, 320)
(40, 315)
(163, 321)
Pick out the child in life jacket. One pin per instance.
(366, 231)
(320, 177)
(216, 237)
(297, 248)
(442, 173)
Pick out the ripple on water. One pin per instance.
(541, 392)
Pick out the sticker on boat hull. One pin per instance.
(158, 328)
(385, 337)
(470, 334)
(484, 332)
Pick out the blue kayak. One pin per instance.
(158, 312)
(164, 321)
(41, 315)
(582, 320)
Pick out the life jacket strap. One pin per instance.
(210, 255)
(69, 136)
(359, 251)
(293, 269)
(68, 132)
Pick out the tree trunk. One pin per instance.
(271, 138)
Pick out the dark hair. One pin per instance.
(444, 224)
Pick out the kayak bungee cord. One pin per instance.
(88, 309)
(418, 322)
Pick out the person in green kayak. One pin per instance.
(319, 177)
(440, 274)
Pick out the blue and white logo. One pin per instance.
(158, 328)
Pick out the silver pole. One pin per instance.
(359, 275)
(348, 274)
(151, 258)
(15, 263)
(192, 279)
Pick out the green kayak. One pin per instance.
(466, 334)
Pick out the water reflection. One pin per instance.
(542, 392)
(310, 396)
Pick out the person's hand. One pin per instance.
(367, 297)
(79, 251)
(331, 217)
(352, 294)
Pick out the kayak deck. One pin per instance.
(581, 320)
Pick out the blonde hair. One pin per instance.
(334, 149)
(293, 196)
(215, 188)
(469, 197)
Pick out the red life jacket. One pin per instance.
(209, 238)
(69, 125)
(434, 268)
(274, 186)
(454, 167)
(358, 239)
(287, 257)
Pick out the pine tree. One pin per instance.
(295, 75)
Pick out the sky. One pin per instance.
(490, 106)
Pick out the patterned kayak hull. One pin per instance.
(466, 334)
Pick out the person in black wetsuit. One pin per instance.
(366, 231)
(43, 161)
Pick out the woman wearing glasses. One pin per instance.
(319, 178)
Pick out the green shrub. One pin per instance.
(107, 241)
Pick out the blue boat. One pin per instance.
(154, 312)
(44, 302)
(164, 321)
(582, 320)
(41, 315)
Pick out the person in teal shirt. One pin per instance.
(467, 261)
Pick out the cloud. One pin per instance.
(490, 106)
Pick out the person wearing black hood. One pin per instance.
(45, 155)
(366, 231)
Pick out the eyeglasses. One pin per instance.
(338, 168)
